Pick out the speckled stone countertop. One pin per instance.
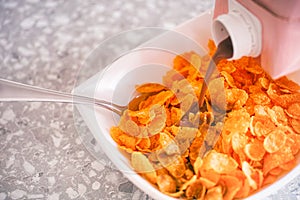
(43, 43)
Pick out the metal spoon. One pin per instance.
(13, 91)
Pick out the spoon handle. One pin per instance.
(13, 91)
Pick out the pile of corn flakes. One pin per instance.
(214, 151)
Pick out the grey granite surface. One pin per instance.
(43, 43)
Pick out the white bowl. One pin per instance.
(116, 84)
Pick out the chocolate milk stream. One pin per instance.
(224, 51)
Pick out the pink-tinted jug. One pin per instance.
(266, 28)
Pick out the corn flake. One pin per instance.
(294, 110)
(218, 162)
(166, 183)
(143, 166)
(150, 88)
(235, 98)
(274, 141)
(254, 150)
